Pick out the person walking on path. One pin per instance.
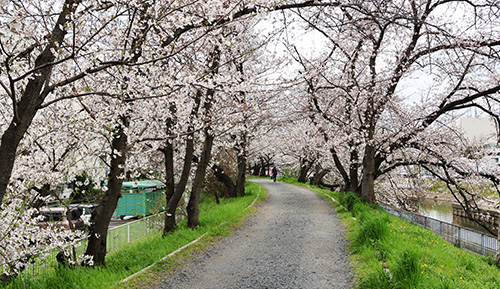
(274, 173)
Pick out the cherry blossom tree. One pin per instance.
(375, 52)
(40, 55)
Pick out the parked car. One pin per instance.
(61, 217)
(85, 211)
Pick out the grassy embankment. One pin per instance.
(218, 220)
(388, 252)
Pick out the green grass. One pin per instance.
(388, 252)
(135, 256)
(291, 181)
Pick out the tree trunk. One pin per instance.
(168, 152)
(353, 172)
(192, 208)
(240, 180)
(368, 181)
(263, 172)
(340, 168)
(102, 215)
(173, 201)
(194, 198)
(242, 164)
(305, 166)
(8, 148)
(319, 174)
(255, 170)
(226, 180)
(33, 96)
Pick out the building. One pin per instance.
(482, 131)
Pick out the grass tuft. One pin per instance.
(349, 199)
(371, 231)
(378, 279)
(407, 270)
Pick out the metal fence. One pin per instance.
(468, 239)
(117, 237)
(132, 231)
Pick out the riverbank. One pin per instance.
(486, 203)
(445, 208)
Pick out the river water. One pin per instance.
(443, 211)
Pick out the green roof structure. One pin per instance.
(140, 198)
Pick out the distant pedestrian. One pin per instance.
(274, 173)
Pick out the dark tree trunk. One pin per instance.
(240, 180)
(340, 168)
(173, 201)
(367, 193)
(353, 172)
(319, 174)
(32, 97)
(192, 208)
(305, 166)
(263, 170)
(168, 152)
(194, 198)
(368, 181)
(303, 174)
(8, 148)
(241, 158)
(242, 144)
(226, 180)
(255, 170)
(102, 215)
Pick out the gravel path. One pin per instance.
(294, 241)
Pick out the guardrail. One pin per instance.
(465, 238)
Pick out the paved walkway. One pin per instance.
(294, 241)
